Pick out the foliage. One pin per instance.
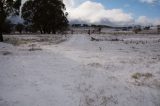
(137, 30)
(19, 27)
(7, 27)
(45, 15)
(8, 8)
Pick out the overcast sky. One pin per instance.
(114, 12)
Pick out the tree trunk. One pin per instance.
(1, 37)
(53, 31)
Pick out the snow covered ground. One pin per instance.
(81, 72)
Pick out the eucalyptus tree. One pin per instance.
(8, 8)
(45, 15)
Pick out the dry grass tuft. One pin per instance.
(15, 41)
(5, 53)
(142, 75)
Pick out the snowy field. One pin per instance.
(109, 71)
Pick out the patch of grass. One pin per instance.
(95, 64)
(60, 41)
(116, 39)
(35, 49)
(136, 75)
(15, 42)
(140, 75)
(6, 53)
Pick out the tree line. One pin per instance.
(45, 16)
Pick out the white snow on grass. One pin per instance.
(81, 72)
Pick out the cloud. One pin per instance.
(96, 13)
(69, 3)
(150, 1)
(143, 20)
(73, 3)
